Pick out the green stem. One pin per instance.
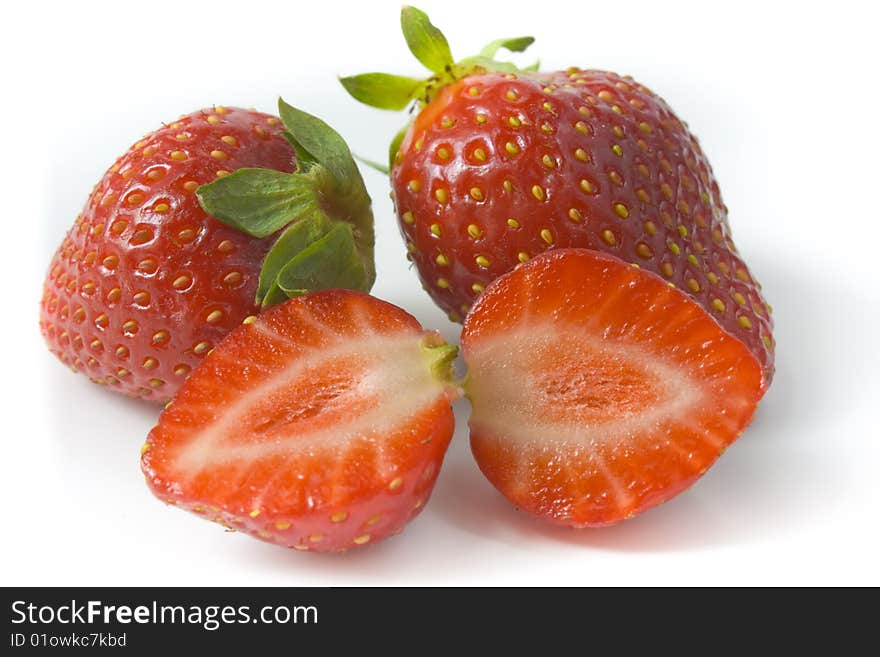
(440, 356)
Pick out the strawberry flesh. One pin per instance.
(598, 390)
(321, 425)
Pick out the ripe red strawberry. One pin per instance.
(147, 282)
(502, 164)
(598, 390)
(321, 424)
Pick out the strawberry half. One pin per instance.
(319, 425)
(598, 390)
(501, 164)
(200, 224)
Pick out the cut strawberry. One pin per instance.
(320, 425)
(598, 389)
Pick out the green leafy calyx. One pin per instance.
(429, 46)
(321, 213)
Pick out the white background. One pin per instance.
(785, 101)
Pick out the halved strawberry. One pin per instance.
(320, 425)
(599, 390)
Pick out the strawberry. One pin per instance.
(598, 390)
(502, 164)
(170, 253)
(319, 425)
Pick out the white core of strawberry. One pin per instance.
(570, 389)
(393, 382)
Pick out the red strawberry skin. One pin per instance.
(145, 283)
(498, 168)
(320, 425)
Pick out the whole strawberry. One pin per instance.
(501, 164)
(173, 250)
